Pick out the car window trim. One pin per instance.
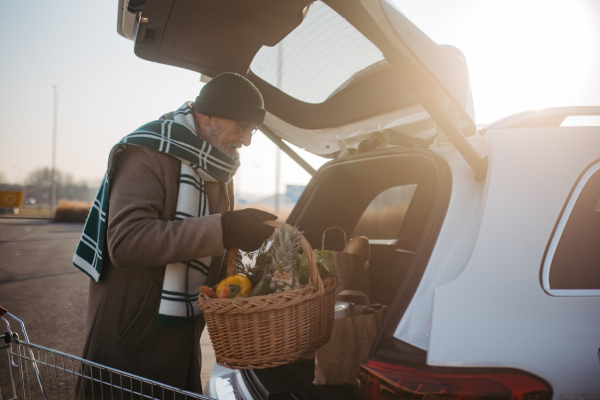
(557, 234)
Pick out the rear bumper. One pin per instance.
(226, 384)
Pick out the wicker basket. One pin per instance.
(275, 329)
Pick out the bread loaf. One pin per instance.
(359, 245)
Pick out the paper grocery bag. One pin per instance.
(352, 274)
(337, 362)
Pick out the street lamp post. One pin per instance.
(53, 172)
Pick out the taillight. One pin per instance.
(386, 381)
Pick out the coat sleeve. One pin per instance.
(137, 237)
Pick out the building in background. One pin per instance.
(287, 201)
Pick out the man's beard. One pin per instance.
(213, 139)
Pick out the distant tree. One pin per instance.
(42, 178)
(38, 185)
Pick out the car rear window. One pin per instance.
(572, 264)
(318, 57)
(383, 218)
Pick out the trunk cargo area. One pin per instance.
(391, 196)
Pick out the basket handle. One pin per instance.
(333, 227)
(313, 270)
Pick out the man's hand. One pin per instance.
(244, 229)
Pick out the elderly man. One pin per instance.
(159, 228)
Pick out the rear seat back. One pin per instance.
(387, 269)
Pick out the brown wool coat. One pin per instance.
(142, 239)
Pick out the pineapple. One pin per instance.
(284, 251)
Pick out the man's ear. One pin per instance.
(206, 119)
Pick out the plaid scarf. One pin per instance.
(200, 163)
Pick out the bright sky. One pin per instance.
(522, 55)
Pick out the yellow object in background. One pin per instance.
(11, 199)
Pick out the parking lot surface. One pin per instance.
(39, 285)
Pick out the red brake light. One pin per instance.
(386, 381)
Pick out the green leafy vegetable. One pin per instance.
(262, 265)
(324, 263)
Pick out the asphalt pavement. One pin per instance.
(40, 285)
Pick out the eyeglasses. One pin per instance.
(247, 128)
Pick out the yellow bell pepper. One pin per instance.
(238, 279)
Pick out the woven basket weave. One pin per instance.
(275, 329)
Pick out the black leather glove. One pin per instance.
(244, 229)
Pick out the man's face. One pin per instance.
(226, 135)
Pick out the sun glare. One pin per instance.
(522, 55)
(540, 52)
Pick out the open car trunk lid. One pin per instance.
(331, 73)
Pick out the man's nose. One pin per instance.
(246, 138)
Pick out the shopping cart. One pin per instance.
(34, 372)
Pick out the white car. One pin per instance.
(485, 243)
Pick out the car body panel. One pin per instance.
(125, 21)
(496, 313)
(445, 66)
(226, 384)
(546, 117)
(453, 247)
(332, 140)
(175, 32)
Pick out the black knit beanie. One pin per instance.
(231, 96)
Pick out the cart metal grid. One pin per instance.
(34, 372)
